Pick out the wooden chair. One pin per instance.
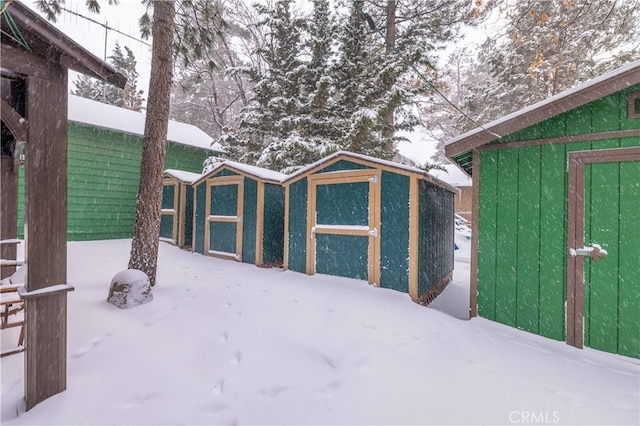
(11, 304)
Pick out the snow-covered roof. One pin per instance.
(378, 161)
(86, 111)
(255, 171)
(582, 94)
(181, 175)
(453, 175)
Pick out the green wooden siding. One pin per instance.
(342, 255)
(629, 253)
(249, 220)
(222, 236)
(224, 200)
(168, 194)
(342, 165)
(297, 232)
(103, 180)
(343, 204)
(394, 232)
(612, 290)
(522, 216)
(273, 231)
(188, 216)
(200, 216)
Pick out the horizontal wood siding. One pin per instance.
(104, 171)
(394, 232)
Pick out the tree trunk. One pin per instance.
(390, 42)
(146, 231)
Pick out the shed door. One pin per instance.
(169, 211)
(603, 289)
(344, 224)
(223, 228)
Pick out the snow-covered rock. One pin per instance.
(130, 288)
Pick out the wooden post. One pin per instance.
(46, 235)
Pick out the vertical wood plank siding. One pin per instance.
(249, 220)
(104, 173)
(394, 233)
(297, 232)
(273, 228)
(522, 216)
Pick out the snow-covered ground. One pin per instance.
(230, 343)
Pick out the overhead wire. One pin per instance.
(17, 35)
(374, 28)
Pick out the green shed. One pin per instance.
(239, 214)
(104, 152)
(556, 215)
(361, 217)
(176, 216)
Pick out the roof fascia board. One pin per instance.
(77, 57)
(542, 111)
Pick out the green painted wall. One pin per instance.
(188, 217)
(394, 232)
(297, 232)
(166, 221)
(103, 179)
(249, 220)
(200, 191)
(522, 217)
(342, 255)
(273, 233)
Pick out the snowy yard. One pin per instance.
(230, 343)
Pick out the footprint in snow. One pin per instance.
(218, 388)
(327, 392)
(362, 363)
(235, 359)
(369, 325)
(223, 337)
(85, 349)
(271, 392)
(167, 312)
(212, 409)
(237, 314)
(138, 401)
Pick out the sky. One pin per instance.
(229, 343)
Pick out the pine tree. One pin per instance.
(129, 97)
(273, 114)
(550, 47)
(194, 29)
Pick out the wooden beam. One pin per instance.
(414, 211)
(46, 237)
(16, 123)
(260, 224)
(22, 62)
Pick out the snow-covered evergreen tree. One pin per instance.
(274, 112)
(129, 97)
(549, 47)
